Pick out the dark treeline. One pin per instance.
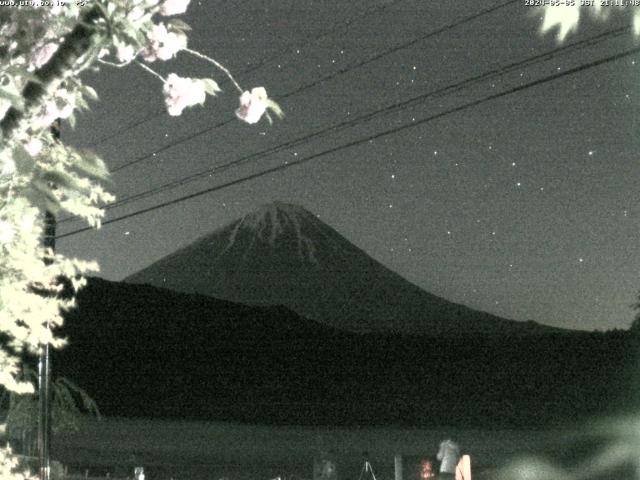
(146, 352)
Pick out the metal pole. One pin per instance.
(44, 401)
(44, 363)
(397, 464)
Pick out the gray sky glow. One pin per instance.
(526, 206)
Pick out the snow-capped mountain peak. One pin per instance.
(282, 254)
(275, 224)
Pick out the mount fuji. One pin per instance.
(282, 254)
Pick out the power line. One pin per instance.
(404, 45)
(128, 127)
(253, 68)
(369, 138)
(323, 79)
(362, 118)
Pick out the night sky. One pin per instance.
(525, 205)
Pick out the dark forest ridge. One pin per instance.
(282, 254)
(142, 351)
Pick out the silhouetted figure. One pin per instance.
(324, 467)
(448, 454)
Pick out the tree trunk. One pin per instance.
(76, 44)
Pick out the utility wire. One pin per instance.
(263, 62)
(404, 45)
(392, 131)
(323, 79)
(362, 118)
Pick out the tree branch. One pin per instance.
(75, 45)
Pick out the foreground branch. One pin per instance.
(50, 76)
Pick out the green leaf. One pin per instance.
(176, 24)
(275, 108)
(90, 92)
(81, 103)
(210, 86)
(57, 179)
(89, 163)
(41, 195)
(11, 94)
(23, 160)
(72, 121)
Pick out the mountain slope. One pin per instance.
(283, 255)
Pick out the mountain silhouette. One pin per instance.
(283, 254)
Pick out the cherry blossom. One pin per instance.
(125, 53)
(163, 44)
(636, 23)
(43, 54)
(252, 105)
(174, 7)
(33, 146)
(564, 17)
(6, 232)
(180, 93)
(61, 106)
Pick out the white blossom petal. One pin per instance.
(252, 105)
(180, 93)
(33, 146)
(174, 7)
(564, 17)
(43, 54)
(125, 53)
(163, 44)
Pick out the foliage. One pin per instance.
(44, 47)
(565, 16)
(69, 404)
